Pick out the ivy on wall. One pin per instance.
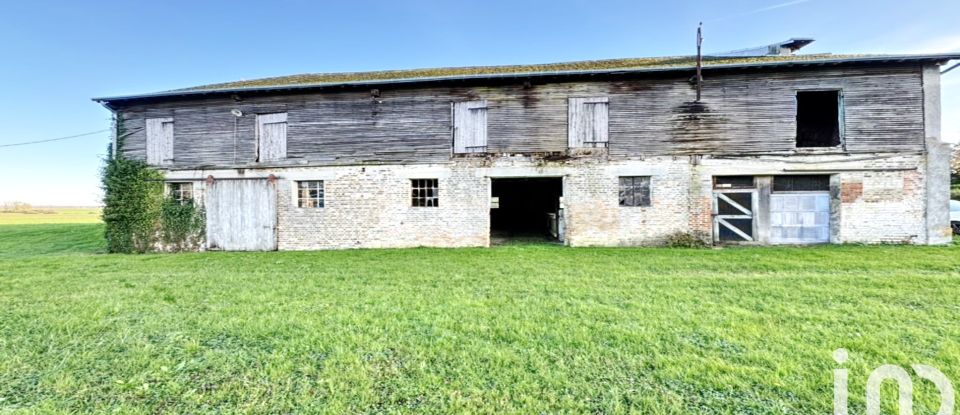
(137, 215)
(182, 225)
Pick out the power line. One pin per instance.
(54, 139)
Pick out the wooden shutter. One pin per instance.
(271, 136)
(587, 122)
(470, 127)
(159, 141)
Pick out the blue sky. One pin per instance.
(59, 54)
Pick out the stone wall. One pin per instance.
(876, 198)
(370, 207)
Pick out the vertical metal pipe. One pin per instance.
(699, 60)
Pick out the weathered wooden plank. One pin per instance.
(470, 127)
(159, 141)
(271, 136)
(588, 122)
(739, 113)
(241, 215)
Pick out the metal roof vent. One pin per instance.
(785, 48)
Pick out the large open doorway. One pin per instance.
(526, 209)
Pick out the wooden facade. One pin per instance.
(742, 112)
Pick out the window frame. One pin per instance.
(320, 201)
(176, 192)
(647, 181)
(420, 200)
(841, 120)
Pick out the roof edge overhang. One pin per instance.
(181, 94)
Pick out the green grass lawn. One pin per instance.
(514, 329)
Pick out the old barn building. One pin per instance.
(780, 149)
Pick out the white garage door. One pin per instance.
(800, 218)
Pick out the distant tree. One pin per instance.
(955, 165)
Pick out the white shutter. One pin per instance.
(588, 124)
(470, 127)
(272, 136)
(159, 141)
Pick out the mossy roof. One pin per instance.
(668, 62)
(563, 68)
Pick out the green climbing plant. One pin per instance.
(182, 225)
(137, 216)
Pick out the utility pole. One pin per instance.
(699, 60)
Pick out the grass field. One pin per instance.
(53, 215)
(515, 329)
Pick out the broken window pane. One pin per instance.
(310, 194)
(733, 182)
(818, 118)
(635, 191)
(425, 193)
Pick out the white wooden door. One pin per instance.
(587, 122)
(470, 127)
(800, 218)
(159, 141)
(272, 136)
(242, 215)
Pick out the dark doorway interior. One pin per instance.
(524, 208)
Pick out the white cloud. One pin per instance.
(760, 10)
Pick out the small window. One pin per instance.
(271, 136)
(425, 193)
(181, 191)
(819, 118)
(733, 182)
(801, 183)
(470, 127)
(635, 191)
(310, 194)
(587, 124)
(159, 141)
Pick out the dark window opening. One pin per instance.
(801, 183)
(635, 191)
(526, 209)
(818, 118)
(733, 182)
(425, 193)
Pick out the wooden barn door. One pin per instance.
(733, 215)
(242, 215)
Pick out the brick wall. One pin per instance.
(876, 199)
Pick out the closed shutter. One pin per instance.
(588, 122)
(470, 127)
(271, 136)
(159, 141)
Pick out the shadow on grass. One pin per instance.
(18, 241)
